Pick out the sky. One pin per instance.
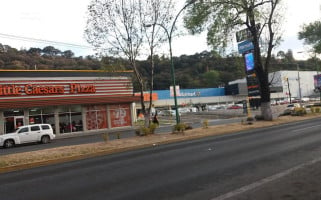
(63, 21)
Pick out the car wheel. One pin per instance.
(8, 144)
(45, 139)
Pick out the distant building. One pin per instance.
(282, 83)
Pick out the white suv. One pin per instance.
(26, 134)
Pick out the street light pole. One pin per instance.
(288, 84)
(169, 36)
(299, 82)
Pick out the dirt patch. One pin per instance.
(62, 154)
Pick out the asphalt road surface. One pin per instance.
(83, 139)
(200, 169)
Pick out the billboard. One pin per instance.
(317, 81)
(253, 85)
(249, 61)
(245, 46)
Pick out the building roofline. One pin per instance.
(11, 70)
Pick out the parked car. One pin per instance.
(290, 108)
(235, 107)
(167, 113)
(27, 134)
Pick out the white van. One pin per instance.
(26, 134)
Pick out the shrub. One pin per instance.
(152, 128)
(181, 127)
(317, 109)
(205, 123)
(188, 127)
(137, 132)
(249, 120)
(105, 137)
(259, 117)
(143, 131)
(299, 112)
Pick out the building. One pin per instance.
(72, 101)
(300, 84)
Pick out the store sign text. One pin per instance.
(31, 89)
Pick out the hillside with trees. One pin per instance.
(201, 70)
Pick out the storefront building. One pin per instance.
(72, 101)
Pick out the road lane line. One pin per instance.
(303, 129)
(264, 181)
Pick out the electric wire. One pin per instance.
(50, 42)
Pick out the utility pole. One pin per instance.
(298, 68)
(169, 34)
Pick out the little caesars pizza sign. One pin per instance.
(38, 89)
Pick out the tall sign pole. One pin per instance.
(246, 48)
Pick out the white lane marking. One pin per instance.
(303, 129)
(265, 181)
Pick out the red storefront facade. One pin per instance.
(71, 101)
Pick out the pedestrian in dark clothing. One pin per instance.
(155, 120)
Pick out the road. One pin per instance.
(200, 169)
(83, 139)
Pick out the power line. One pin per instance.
(29, 39)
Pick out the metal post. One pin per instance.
(298, 68)
(287, 80)
(173, 80)
(169, 36)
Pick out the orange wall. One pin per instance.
(147, 96)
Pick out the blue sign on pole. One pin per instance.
(245, 46)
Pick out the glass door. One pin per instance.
(18, 121)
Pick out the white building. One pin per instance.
(299, 83)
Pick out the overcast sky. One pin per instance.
(64, 21)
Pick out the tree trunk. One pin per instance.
(266, 111)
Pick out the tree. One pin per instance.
(115, 26)
(51, 51)
(34, 51)
(311, 34)
(211, 79)
(157, 14)
(224, 17)
(68, 54)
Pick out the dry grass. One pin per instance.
(62, 154)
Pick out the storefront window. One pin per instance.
(42, 116)
(120, 115)
(70, 119)
(96, 117)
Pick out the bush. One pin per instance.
(105, 137)
(152, 127)
(137, 132)
(205, 123)
(143, 131)
(259, 117)
(299, 112)
(315, 109)
(181, 127)
(249, 120)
